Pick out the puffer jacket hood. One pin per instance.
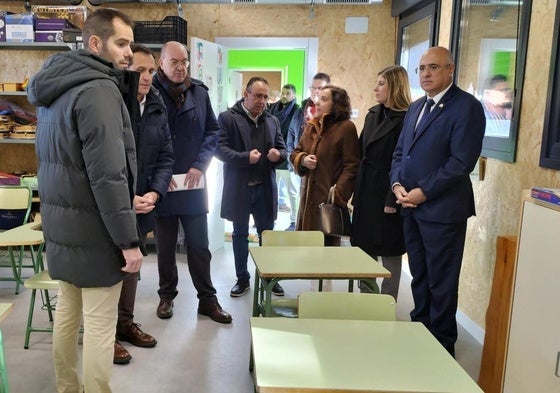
(64, 71)
(86, 167)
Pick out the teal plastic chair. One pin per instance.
(347, 305)
(42, 282)
(15, 208)
(288, 307)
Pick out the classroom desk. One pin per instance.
(24, 235)
(276, 263)
(5, 309)
(327, 356)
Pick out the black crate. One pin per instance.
(171, 28)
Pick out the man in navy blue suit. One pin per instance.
(438, 148)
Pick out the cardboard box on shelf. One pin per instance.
(48, 36)
(51, 24)
(76, 15)
(19, 28)
(9, 86)
(3, 25)
(7, 179)
(72, 35)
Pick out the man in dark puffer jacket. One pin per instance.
(87, 169)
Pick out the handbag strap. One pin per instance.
(330, 197)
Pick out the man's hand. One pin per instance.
(145, 203)
(192, 178)
(410, 199)
(172, 185)
(133, 259)
(254, 156)
(273, 155)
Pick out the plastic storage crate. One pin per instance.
(171, 28)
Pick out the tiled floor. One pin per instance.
(193, 354)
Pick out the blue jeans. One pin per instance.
(257, 206)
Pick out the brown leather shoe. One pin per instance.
(165, 309)
(215, 312)
(134, 335)
(121, 355)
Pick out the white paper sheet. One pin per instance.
(180, 180)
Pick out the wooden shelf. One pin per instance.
(36, 45)
(52, 45)
(13, 93)
(17, 141)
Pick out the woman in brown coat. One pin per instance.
(328, 153)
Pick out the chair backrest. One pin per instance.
(292, 238)
(15, 206)
(346, 305)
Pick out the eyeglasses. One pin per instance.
(431, 67)
(176, 63)
(258, 96)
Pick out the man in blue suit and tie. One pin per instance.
(438, 148)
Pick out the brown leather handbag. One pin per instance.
(335, 220)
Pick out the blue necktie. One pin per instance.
(425, 114)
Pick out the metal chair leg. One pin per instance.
(28, 328)
(4, 387)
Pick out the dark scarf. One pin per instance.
(282, 111)
(177, 91)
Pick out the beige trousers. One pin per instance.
(98, 307)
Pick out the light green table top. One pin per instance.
(319, 355)
(315, 262)
(24, 235)
(5, 309)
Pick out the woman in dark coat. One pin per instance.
(376, 221)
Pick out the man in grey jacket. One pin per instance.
(87, 168)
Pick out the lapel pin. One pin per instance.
(441, 105)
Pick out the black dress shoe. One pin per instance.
(215, 312)
(240, 288)
(277, 290)
(165, 309)
(134, 335)
(121, 355)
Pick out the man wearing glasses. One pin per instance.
(438, 148)
(251, 147)
(194, 132)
